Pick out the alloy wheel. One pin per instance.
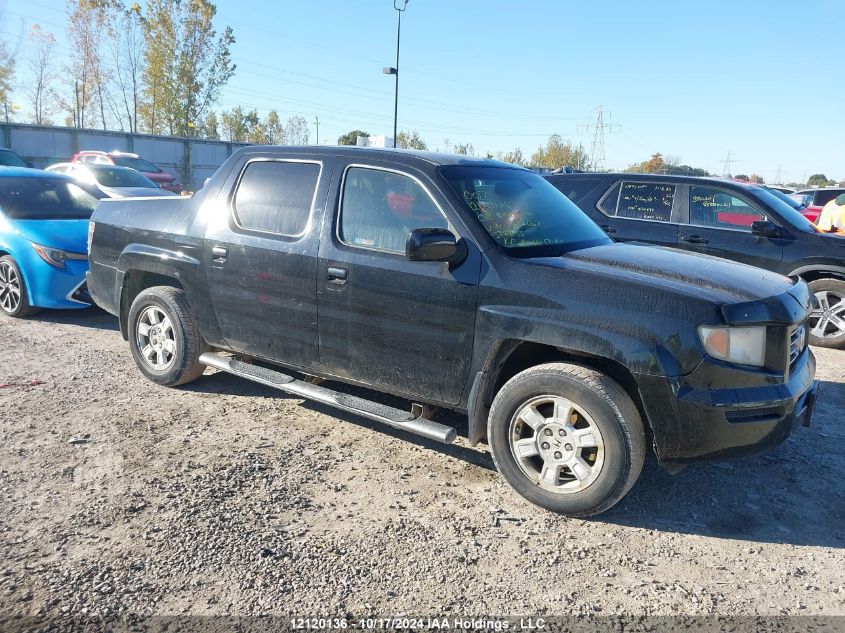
(556, 444)
(827, 320)
(10, 288)
(156, 339)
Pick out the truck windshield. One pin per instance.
(47, 199)
(522, 211)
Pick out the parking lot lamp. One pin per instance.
(394, 70)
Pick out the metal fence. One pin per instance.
(193, 160)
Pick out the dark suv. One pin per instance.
(729, 219)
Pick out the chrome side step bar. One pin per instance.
(397, 418)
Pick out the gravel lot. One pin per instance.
(225, 497)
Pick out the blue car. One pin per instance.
(44, 221)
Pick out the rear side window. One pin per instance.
(720, 209)
(276, 196)
(379, 209)
(641, 201)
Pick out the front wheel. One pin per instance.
(827, 320)
(13, 296)
(567, 438)
(165, 340)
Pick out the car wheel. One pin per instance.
(827, 320)
(567, 438)
(13, 296)
(164, 338)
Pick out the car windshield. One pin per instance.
(47, 199)
(117, 177)
(522, 211)
(9, 159)
(784, 210)
(134, 162)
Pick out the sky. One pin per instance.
(758, 80)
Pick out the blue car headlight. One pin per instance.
(55, 257)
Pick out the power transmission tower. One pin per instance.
(726, 172)
(597, 156)
(779, 176)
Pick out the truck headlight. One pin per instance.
(741, 345)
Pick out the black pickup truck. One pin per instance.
(460, 283)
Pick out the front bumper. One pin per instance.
(58, 288)
(694, 422)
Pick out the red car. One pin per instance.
(163, 179)
(815, 199)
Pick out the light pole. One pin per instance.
(394, 70)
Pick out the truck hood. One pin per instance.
(744, 293)
(65, 235)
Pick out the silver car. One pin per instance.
(114, 181)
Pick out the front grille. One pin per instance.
(797, 343)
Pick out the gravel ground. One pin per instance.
(122, 497)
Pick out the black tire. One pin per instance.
(183, 365)
(611, 410)
(22, 308)
(834, 337)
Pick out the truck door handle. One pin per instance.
(694, 239)
(336, 276)
(220, 254)
(607, 228)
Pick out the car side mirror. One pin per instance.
(765, 228)
(434, 245)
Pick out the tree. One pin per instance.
(88, 20)
(466, 149)
(275, 129)
(410, 140)
(351, 138)
(208, 128)
(40, 91)
(818, 180)
(558, 153)
(658, 165)
(238, 125)
(186, 64)
(7, 71)
(514, 157)
(128, 48)
(756, 178)
(296, 131)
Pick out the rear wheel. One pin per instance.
(164, 338)
(567, 438)
(13, 296)
(827, 320)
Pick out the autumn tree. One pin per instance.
(128, 49)
(7, 70)
(410, 140)
(88, 22)
(351, 138)
(514, 157)
(237, 124)
(467, 149)
(557, 153)
(209, 128)
(296, 131)
(186, 64)
(275, 128)
(658, 165)
(40, 89)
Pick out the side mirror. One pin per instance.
(434, 245)
(765, 228)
